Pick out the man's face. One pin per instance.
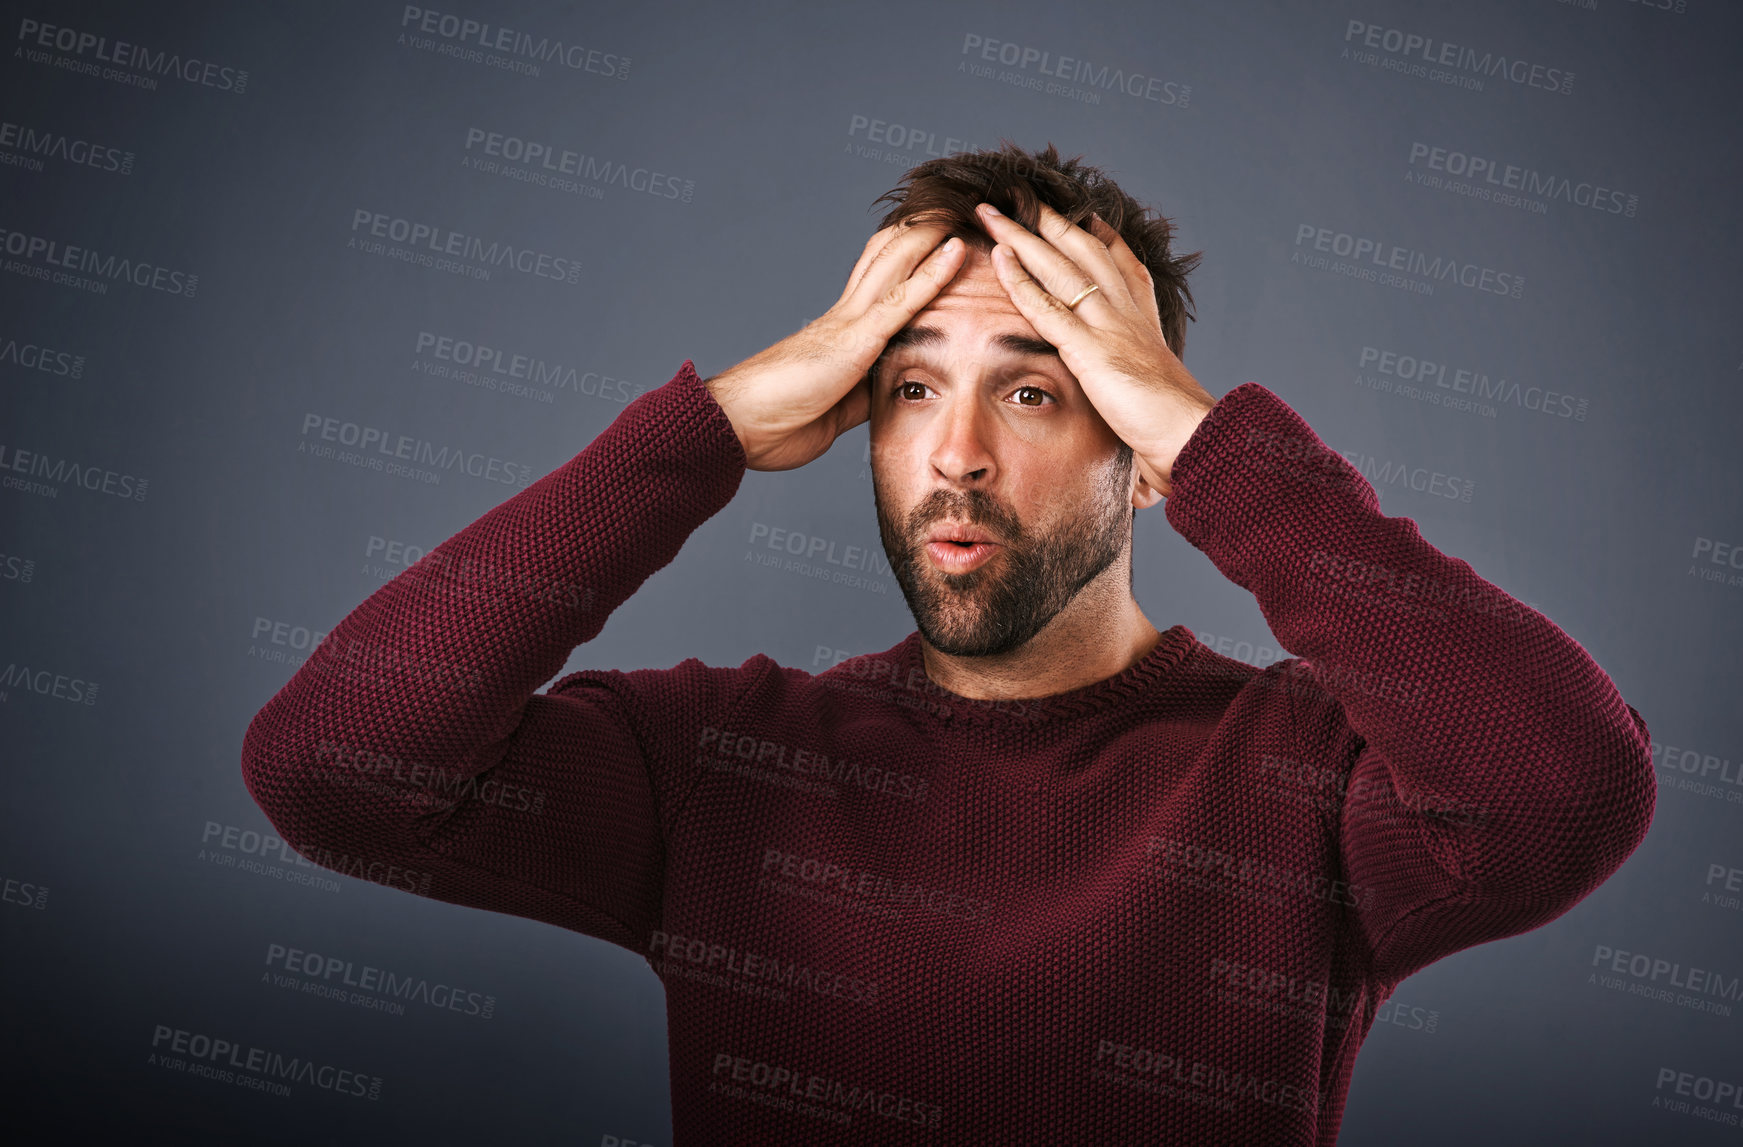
(976, 428)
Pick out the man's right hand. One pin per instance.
(788, 403)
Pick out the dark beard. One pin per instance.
(1007, 600)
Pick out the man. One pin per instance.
(1038, 873)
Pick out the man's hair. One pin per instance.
(1015, 181)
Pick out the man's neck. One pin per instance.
(1079, 647)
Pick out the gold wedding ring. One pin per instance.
(1081, 295)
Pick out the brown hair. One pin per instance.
(1015, 181)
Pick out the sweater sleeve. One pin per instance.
(1490, 774)
(411, 749)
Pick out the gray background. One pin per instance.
(125, 910)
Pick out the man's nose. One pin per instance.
(961, 452)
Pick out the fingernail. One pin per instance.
(990, 209)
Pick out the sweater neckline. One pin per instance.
(1171, 648)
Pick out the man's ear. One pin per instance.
(1144, 495)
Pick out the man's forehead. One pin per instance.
(921, 336)
(975, 308)
(974, 286)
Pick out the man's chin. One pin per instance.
(967, 636)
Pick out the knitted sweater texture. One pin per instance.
(1160, 908)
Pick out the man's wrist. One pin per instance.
(1162, 454)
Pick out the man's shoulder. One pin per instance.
(1273, 678)
(1284, 688)
(759, 680)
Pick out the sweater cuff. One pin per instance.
(697, 412)
(675, 434)
(1252, 470)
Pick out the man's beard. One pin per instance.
(1009, 598)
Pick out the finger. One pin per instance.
(1046, 311)
(894, 261)
(873, 245)
(1139, 281)
(1050, 267)
(1088, 250)
(898, 305)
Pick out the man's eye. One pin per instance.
(902, 391)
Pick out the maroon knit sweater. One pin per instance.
(1161, 908)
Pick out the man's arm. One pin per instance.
(1496, 775)
(412, 749)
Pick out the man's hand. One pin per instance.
(790, 402)
(1112, 340)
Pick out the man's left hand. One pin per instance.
(1112, 340)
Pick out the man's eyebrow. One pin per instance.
(928, 336)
